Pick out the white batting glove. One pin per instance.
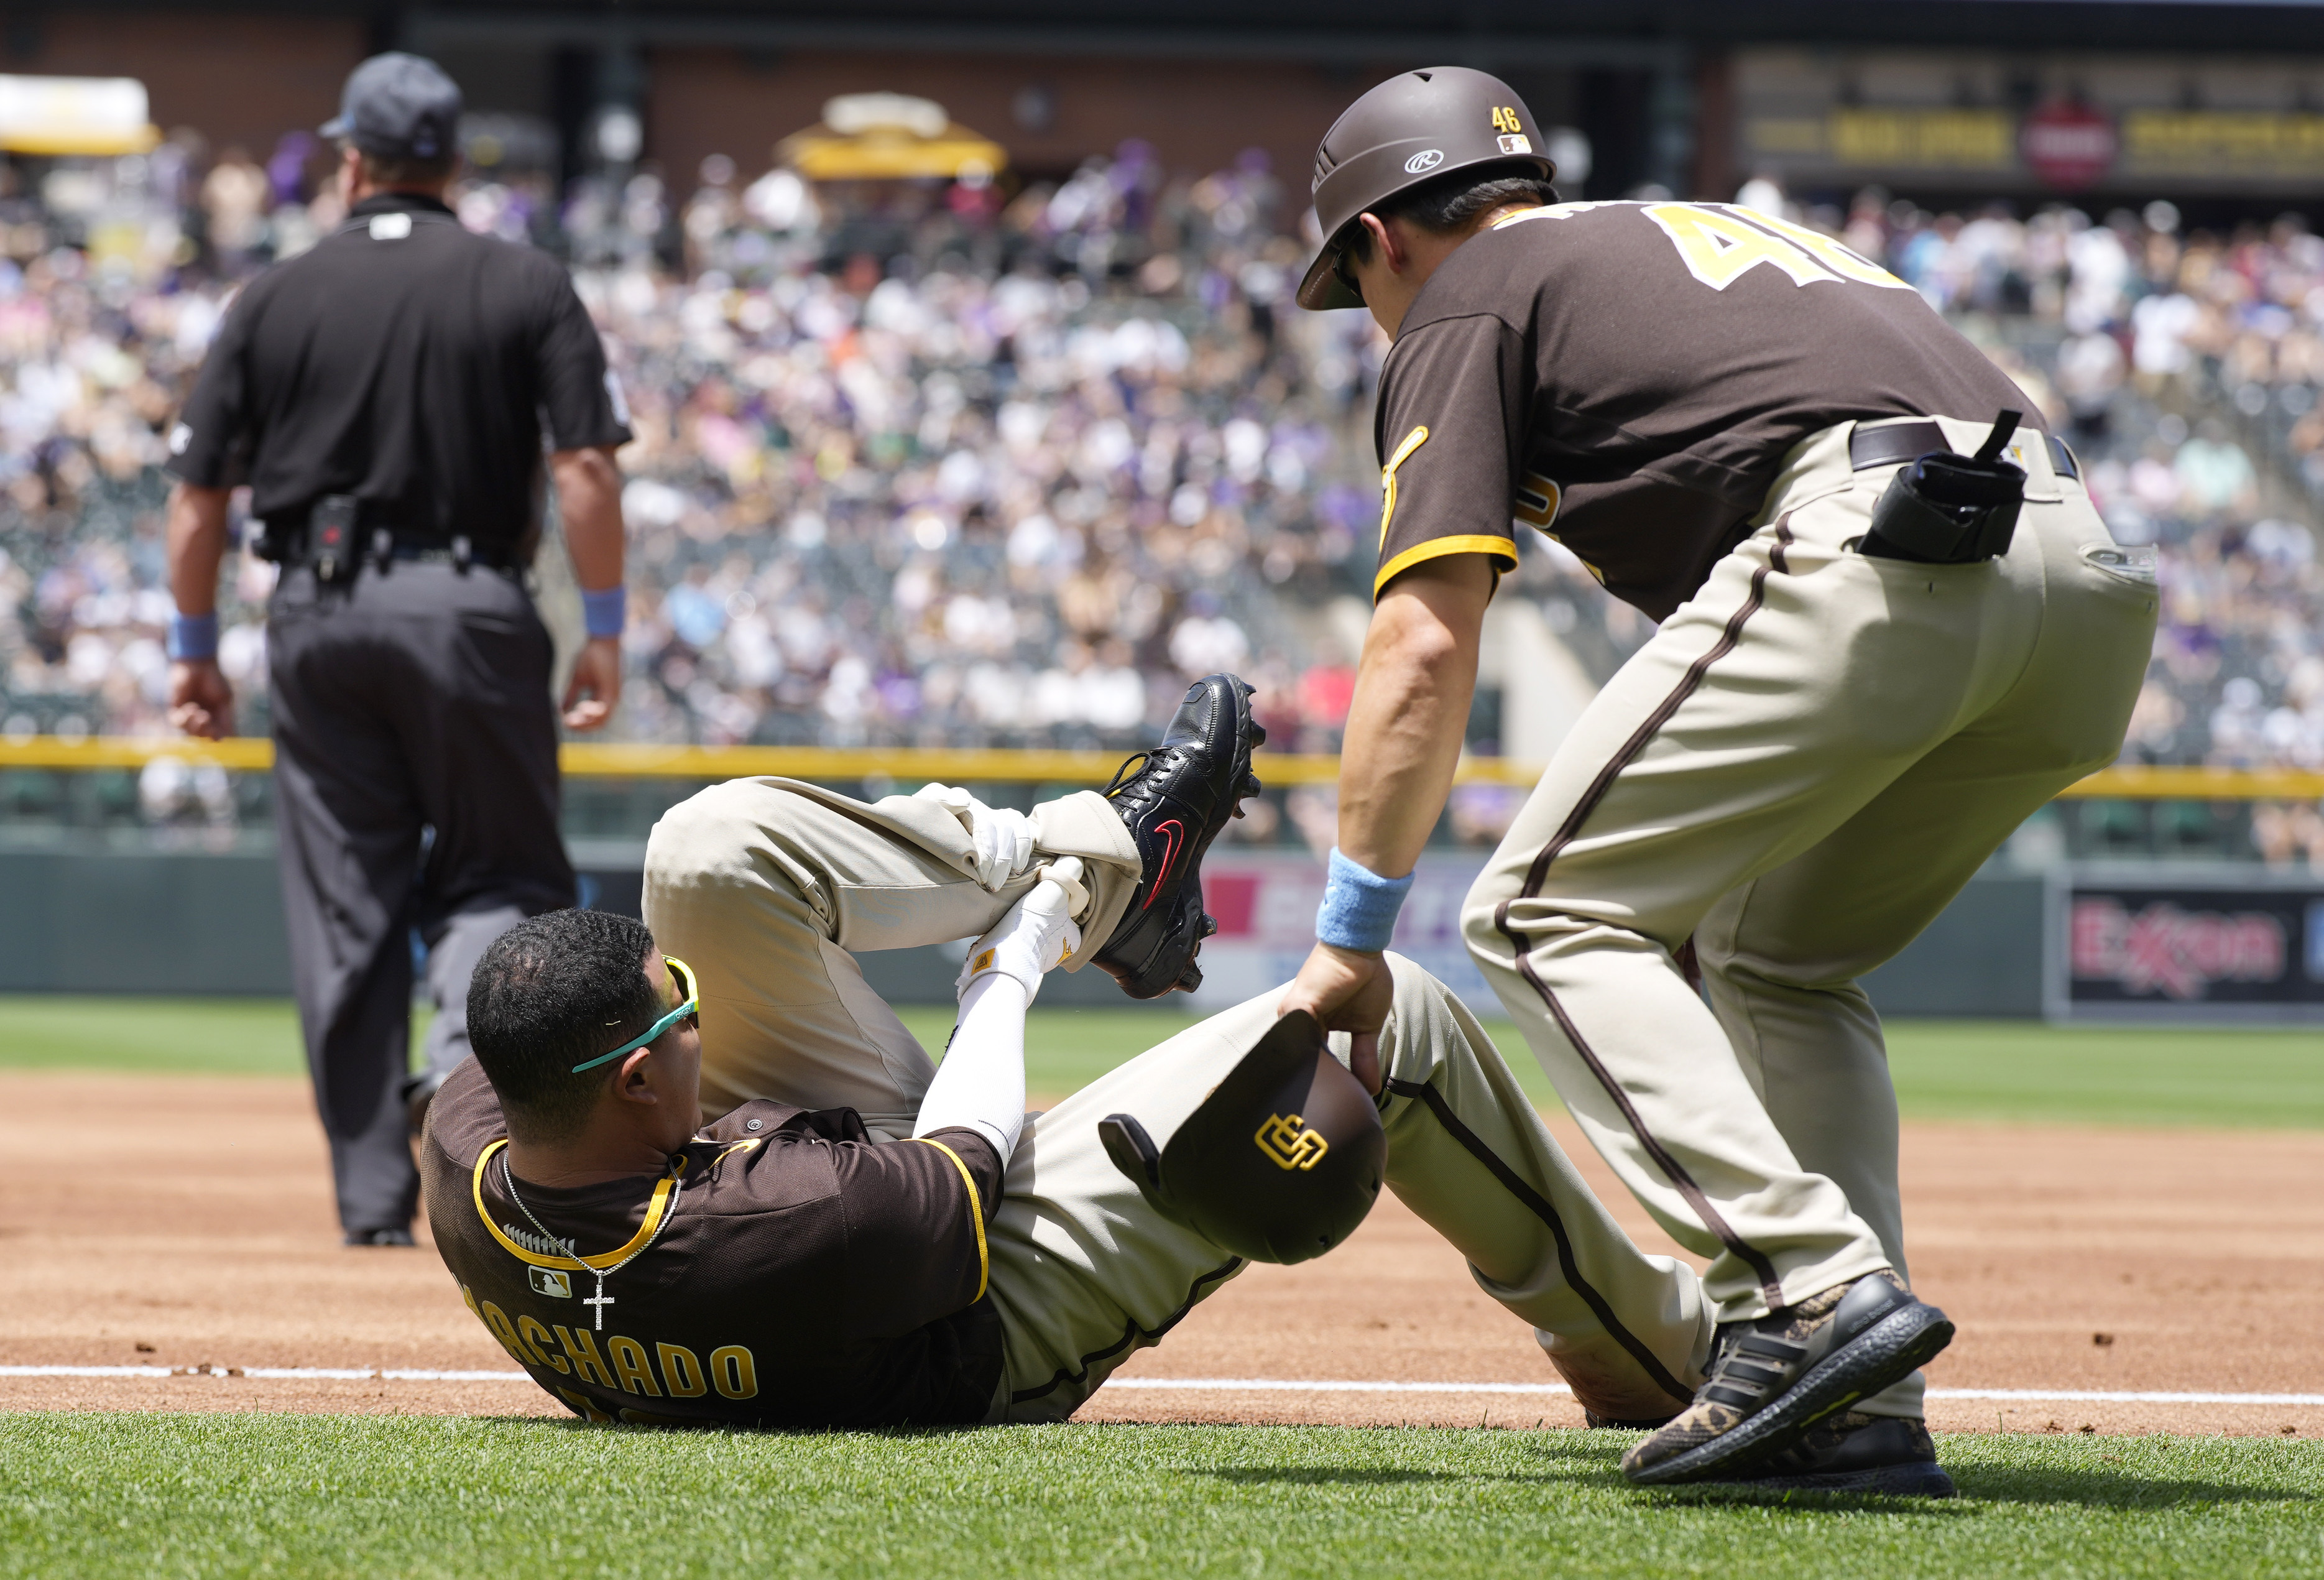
(1003, 839)
(1036, 937)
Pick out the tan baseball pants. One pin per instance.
(765, 886)
(1799, 770)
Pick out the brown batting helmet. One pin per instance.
(1278, 1163)
(1412, 128)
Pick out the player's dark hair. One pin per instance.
(389, 171)
(1451, 202)
(552, 992)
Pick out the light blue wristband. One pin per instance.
(1359, 906)
(603, 614)
(193, 636)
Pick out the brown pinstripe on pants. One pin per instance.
(1798, 770)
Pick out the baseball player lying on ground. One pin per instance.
(861, 1239)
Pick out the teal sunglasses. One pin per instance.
(683, 975)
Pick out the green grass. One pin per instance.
(210, 1037)
(1945, 1069)
(156, 1496)
(2087, 1074)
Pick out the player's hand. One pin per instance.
(596, 687)
(1037, 934)
(201, 700)
(1003, 838)
(1346, 990)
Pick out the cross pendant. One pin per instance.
(600, 1300)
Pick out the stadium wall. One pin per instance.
(1050, 114)
(239, 80)
(201, 924)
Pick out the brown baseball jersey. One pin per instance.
(788, 1271)
(1627, 377)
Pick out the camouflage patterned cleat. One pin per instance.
(1776, 1378)
(1175, 799)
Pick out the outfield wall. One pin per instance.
(2145, 941)
(200, 923)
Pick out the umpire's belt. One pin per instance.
(1892, 444)
(287, 540)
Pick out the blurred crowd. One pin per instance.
(2184, 366)
(962, 464)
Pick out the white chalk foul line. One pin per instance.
(300, 1373)
(1164, 1384)
(1287, 1385)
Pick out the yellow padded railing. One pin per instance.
(914, 764)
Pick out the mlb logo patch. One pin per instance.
(547, 1281)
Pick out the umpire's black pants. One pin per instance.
(415, 782)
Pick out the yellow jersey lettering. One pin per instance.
(1536, 500)
(1843, 261)
(588, 1367)
(630, 1364)
(681, 1373)
(733, 1372)
(496, 1321)
(583, 1407)
(1718, 249)
(536, 1339)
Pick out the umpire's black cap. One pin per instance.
(399, 107)
(1278, 1163)
(1413, 127)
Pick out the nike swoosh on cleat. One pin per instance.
(1176, 832)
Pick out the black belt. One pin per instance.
(1898, 442)
(290, 542)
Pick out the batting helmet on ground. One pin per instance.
(1413, 127)
(1278, 1163)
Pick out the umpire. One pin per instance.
(1890, 626)
(386, 398)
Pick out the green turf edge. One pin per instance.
(162, 1495)
(2006, 1070)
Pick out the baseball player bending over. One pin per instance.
(863, 1239)
(1892, 625)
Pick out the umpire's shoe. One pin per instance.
(1852, 1452)
(1776, 1378)
(1175, 799)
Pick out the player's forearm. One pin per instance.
(589, 504)
(1410, 713)
(196, 542)
(980, 1085)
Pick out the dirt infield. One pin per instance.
(186, 1223)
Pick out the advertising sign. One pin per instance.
(2069, 145)
(2252, 950)
(1994, 123)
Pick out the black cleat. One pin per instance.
(1854, 1452)
(1773, 1379)
(1175, 799)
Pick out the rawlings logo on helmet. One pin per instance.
(1427, 158)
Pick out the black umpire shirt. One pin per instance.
(793, 1274)
(1626, 378)
(408, 362)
